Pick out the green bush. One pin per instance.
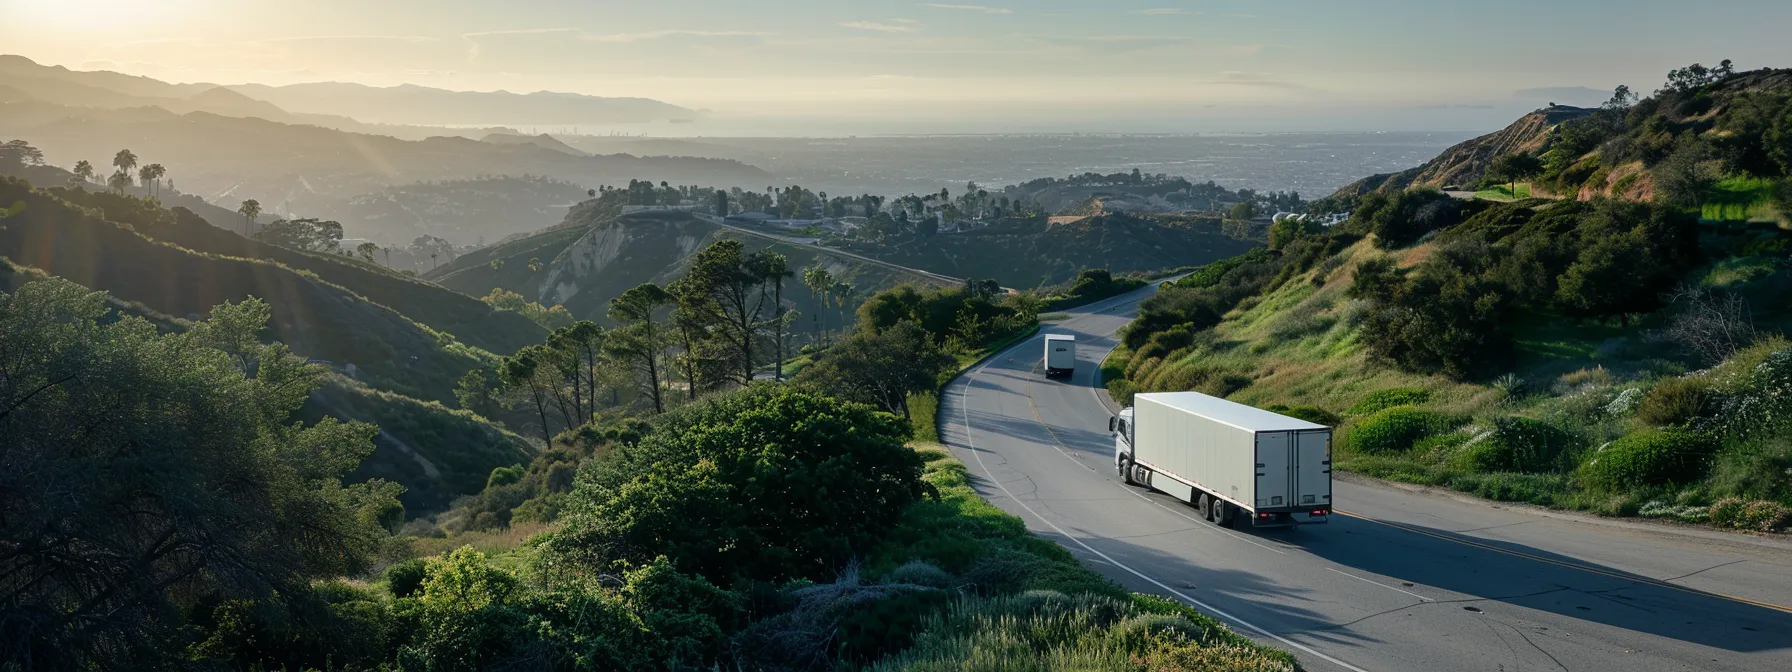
(1759, 515)
(502, 476)
(1393, 430)
(404, 578)
(1122, 390)
(1648, 457)
(1518, 445)
(699, 489)
(1313, 414)
(1675, 401)
(1755, 471)
(1389, 398)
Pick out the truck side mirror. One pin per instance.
(1111, 423)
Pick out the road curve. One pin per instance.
(1403, 579)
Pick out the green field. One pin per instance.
(1739, 199)
(1504, 192)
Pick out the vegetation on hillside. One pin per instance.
(1609, 355)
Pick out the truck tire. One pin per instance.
(1125, 468)
(1222, 513)
(1204, 505)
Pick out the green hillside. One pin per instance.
(1615, 355)
(596, 255)
(315, 317)
(1031, 252)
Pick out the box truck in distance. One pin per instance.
(1235, 463)
(1060, 355)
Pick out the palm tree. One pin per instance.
(125, 161)
(84, 170)
(819, 281)
(155, 171)
(842, 293)
(250, 210)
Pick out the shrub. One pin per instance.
(1759, 515)
(1755, 471)
(1393, 430)
(920, 574)
(1675, 401)
(1122, 390)
(1313, 414)
(1649, 457)
(1389, 398)
(404, 578)
(1517, 444)
(698, 490)
(502, 476)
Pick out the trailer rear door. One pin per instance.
(1313, 466)
(1275, 472)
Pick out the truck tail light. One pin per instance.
(1320, 512)
(1263, 515)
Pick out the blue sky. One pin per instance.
(1171, 65)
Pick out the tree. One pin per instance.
(721, 203)
(579, 349)
(250, 210)
(124, 161)
(17, 153)
(640, 340)
(366, 250)
(819, 281)
(145, 473)
(772, 269)
(151, 176)
(881, 368)
(474, 392)
(524, 376)
(84, 170)
(702, 489)
(119, 182)
(1245, 210)
(1513, 168)
(720, 272)
(308, 234)
(691, 316)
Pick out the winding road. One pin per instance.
(1401, 579)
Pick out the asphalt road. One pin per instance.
(1401, 579)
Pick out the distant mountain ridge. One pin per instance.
(351, 107)
(422, 105)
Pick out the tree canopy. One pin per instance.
(193, 480)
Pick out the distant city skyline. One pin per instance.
(885, 66)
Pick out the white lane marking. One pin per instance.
(964, 412)
(1422, 598)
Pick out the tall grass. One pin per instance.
(1738, 199)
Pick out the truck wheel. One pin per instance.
(1204, 505)
(1222, 513)
(1125, 467)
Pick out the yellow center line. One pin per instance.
(1571, 565)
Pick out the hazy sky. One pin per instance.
(1169, 65)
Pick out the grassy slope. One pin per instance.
(469, 319)
(316, 318)
(582, 267)
(460, 448)
(1298, 346)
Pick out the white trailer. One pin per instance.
(1060, 355)
(1233, 462)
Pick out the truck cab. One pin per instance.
(1121, 426)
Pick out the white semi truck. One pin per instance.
(1060, 355)
(1235, 463)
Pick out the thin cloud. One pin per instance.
(970, 8)
(660, 34)
(878, 27)
(1251, 49)
(1164, 11)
